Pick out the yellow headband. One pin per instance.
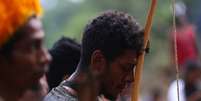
(14, 13)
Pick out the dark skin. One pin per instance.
(36, 95)
(118, 75)
(104, 77)
(26, 63)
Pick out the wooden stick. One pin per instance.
(139, 67)
(175, 48)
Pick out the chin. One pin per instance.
(111, 97)
(35, 82)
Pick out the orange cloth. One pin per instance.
(14, 13)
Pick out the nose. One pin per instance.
(45, 57)
(129, 77)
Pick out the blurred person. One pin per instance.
(23, 58)
(192, 81)
(185, 36)
(189, 85)
(65, 54)
(155, 95)
(110, 48)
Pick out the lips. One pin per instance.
(40, 73)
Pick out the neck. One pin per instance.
(88, 87)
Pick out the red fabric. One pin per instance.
(186, 47)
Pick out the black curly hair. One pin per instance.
(66, 55)
(112, 32)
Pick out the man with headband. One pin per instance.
(23, 58)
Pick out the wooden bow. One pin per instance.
(139, 67)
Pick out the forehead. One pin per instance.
(128, 56)
(32, 30)
(34, 27)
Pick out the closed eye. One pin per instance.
(128, 67)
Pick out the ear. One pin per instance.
(98, 63)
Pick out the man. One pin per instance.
(65, 54)
(110, 47)
(189, 85)
(23, 58)
(185, 37)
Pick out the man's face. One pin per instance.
(29, 59)
(119, 74)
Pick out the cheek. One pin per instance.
(24, 65)
(25, 61)
(116, 76)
